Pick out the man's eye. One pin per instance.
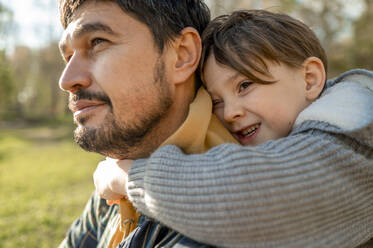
(244, 85)
(216, 102)
(97, 41)
(68, 58)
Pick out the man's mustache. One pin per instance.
(87, 95)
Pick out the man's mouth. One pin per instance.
(83, 106)
(81, 98)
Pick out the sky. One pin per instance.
(35, 22)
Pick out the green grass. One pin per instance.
(45, 181)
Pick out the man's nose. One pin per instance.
(76, 74)
(232, 112)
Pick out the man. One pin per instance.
(130, 76)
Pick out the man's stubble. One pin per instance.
(118, 139)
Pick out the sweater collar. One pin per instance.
(201, 129)
(347, 104)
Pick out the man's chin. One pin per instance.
(101, 140)
(83, 136)
(84, 121)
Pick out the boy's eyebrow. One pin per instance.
(228, 80)
(234, 76)
(88, 28)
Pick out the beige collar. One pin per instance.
(201, 130)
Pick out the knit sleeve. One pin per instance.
(308, 190)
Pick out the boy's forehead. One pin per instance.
(214, 72)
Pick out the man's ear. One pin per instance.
(315, 76)
(187, 52)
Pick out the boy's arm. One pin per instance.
(309, 190)
(312, 189)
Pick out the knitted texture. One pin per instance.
(313, 188)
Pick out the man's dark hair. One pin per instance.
(165, 18)
(245, 38)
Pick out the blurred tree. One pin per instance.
(5, 20)
(332, 22)
(7, 91)
(35, 71)
(219, 7)
(50, 65)
(326, 18)
(36, 75)
(362, 49)
(6, 86)
(22, 66)
(32, 87)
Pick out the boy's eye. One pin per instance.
(244, 85)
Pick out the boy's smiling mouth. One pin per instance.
(247, 134)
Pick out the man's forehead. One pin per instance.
(87, 12)
(88, 8)
(91, 16)
(67, 35)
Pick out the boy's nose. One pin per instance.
(232, 112)
(76, 75)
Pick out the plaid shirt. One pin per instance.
(97, 224)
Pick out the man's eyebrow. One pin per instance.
(88, 28)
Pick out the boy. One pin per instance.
(261, 70)
(305, 183)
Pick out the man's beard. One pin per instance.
(120, 140)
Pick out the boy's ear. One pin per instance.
(187, 52)
(315, 76)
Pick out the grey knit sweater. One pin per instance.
(313, 188)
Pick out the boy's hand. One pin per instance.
(110, 179)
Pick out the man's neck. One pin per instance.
(169, 123)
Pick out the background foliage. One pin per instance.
(45, 179)
(29, 76)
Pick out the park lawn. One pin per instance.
(45, 181)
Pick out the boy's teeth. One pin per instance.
(249, 130)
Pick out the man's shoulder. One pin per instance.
(91, 228)
(100, 211)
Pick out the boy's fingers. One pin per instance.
(112, 202)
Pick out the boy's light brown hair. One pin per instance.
(246, 38)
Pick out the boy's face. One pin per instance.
(255, 113)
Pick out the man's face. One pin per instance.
(255, 113)
(119, 93)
